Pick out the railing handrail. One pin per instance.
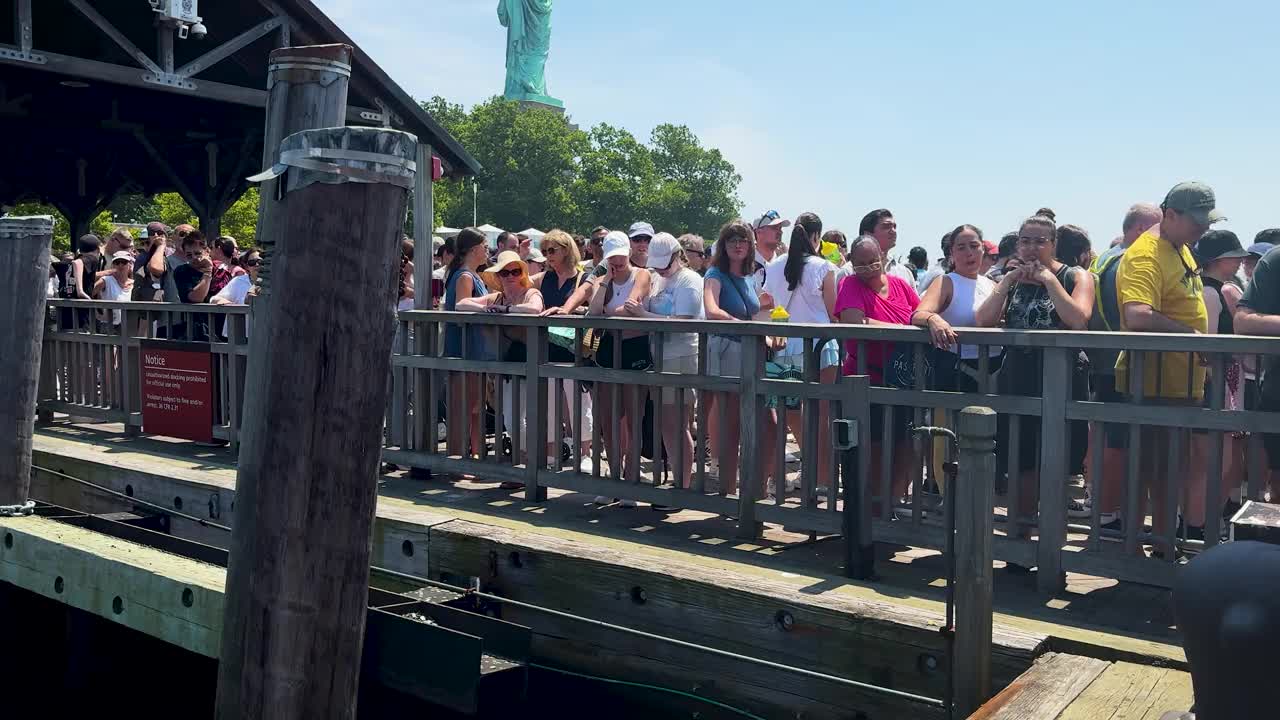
(1073, 339)
(149, 305)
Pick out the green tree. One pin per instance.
(102, 225)
(698, 189)
(240, 221)
(530, 162)
(618, 182)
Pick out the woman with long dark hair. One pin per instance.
(462, 280)
(803, 285)
(1040, 292)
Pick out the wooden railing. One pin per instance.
(1047, 538)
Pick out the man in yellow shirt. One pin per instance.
(1160, 291)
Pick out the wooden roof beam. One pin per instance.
(230, 47)
(112, 32)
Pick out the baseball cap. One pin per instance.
(661, 248)
(156, 228)
(616, 243)
(1260, 248)
(1217, 245)
(640, 228)
(1270, 236)
(121, 255)
(1195, 199)
(535, 255)
(769, 219)
(990, 248)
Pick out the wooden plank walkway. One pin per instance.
(1071, 687)
(1100, 617)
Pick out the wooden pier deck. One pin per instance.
(691, 564)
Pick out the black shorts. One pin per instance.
(900, 431)
(1115, 435)
(1023, 374)
(1269, 401)
(635, 353)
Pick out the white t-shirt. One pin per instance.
(677, 296)
(805, 305)
(237, 293)
(111, 290)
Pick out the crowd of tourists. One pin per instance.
(176, 265)
(1168, 272)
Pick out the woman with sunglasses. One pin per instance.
(870, 296)
(516, 294)
(462, 281)
(623, 281)
(557, 283)
(1039, 292)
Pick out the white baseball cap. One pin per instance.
(661, 248)
(770, 219)
(616, 243)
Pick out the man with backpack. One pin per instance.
(1106, 317)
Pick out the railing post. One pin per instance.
(974, 498)
(24, 271)
(535, 413)
(1054, 442)
(752, 406)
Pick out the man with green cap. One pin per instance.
(1160, 290)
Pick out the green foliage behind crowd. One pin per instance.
(541, 171)
(240, 221)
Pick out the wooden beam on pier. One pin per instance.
(315, 395)
(24, 275)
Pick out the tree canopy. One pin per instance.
(541, 170)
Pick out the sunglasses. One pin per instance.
(512, 272)
(550, 250)
(252, 263)
(699, 253)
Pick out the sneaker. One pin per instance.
(602, 500)
(1078, 508)
(586, 466)
(1111, 521)
(627, 503)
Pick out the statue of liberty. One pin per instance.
(528, 24)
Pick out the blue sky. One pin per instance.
(946, 113)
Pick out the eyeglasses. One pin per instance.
(511, 272)
(738, 241)
(1188, 271)
(863, 269)
(699, 253)
(252, 263)
(1028, 240)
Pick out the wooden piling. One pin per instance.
(24, 274)
(306, 89)
(973, 494)
(297, 582)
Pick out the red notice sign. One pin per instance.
(177, 389)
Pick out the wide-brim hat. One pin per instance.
(504, 260)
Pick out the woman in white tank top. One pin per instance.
(951, 301)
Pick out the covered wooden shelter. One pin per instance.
(103, 97)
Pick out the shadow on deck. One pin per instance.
(1116, 620)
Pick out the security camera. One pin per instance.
(198, 31)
